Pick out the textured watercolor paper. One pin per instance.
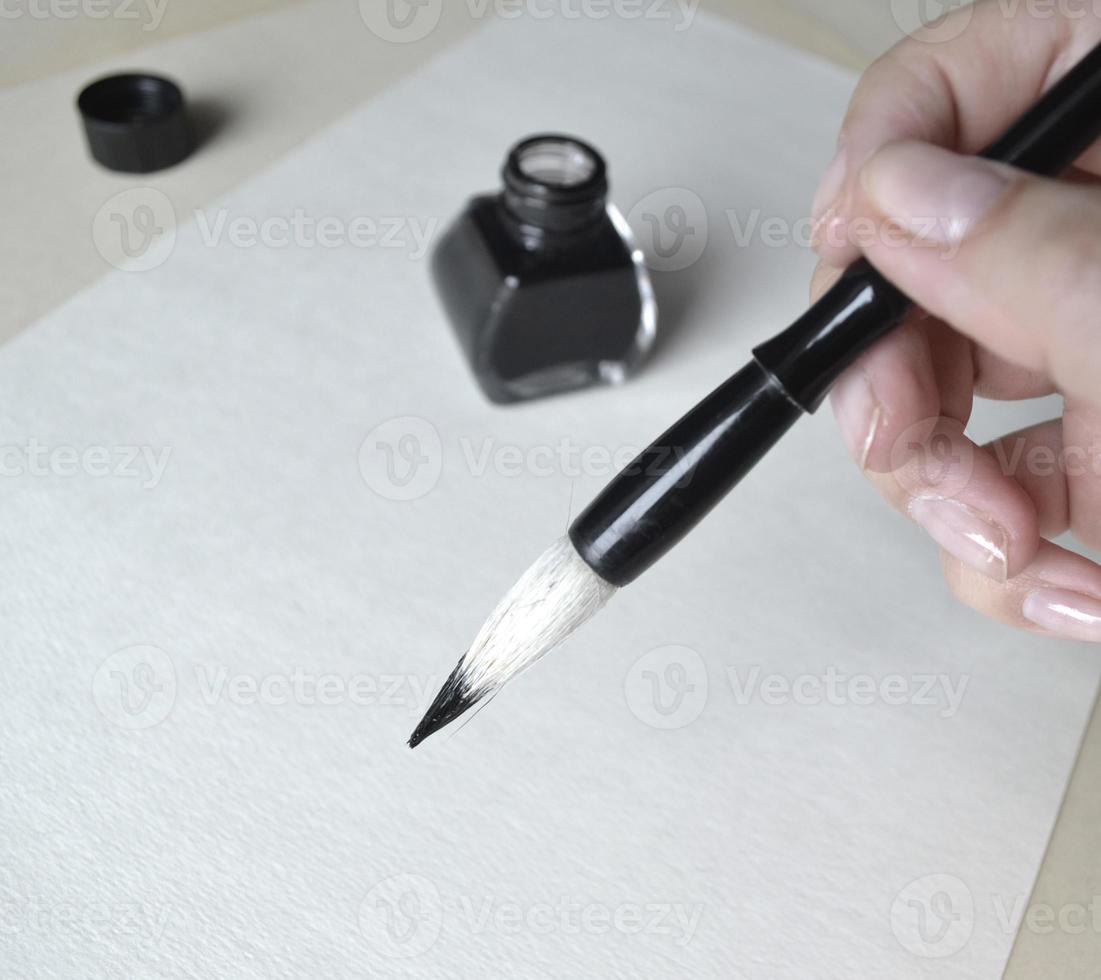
(254, 507)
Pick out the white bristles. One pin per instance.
(553, 598)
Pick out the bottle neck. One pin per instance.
(556, 187)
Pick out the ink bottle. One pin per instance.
(542, 282)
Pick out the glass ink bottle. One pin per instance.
(542, 282)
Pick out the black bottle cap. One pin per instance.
(135, 123)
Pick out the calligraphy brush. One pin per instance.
(672, 485)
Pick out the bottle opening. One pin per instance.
(557, 162)
(555, 183)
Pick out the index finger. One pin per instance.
(959, 86)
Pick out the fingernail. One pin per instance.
(935, 195)
(829, 188)
(1067, 614)
(858, 413)
(961, 531)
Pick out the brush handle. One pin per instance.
(809, 356)
(672, 486)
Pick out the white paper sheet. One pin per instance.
(695, 786)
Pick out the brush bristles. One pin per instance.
(553, 598)
(558, 594)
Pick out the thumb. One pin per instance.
(1011, 260)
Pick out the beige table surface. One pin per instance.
(258, 99)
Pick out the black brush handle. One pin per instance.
(672, 486)
(808, 357)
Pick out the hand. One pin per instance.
(1008, 269)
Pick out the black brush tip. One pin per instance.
(454, 699)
